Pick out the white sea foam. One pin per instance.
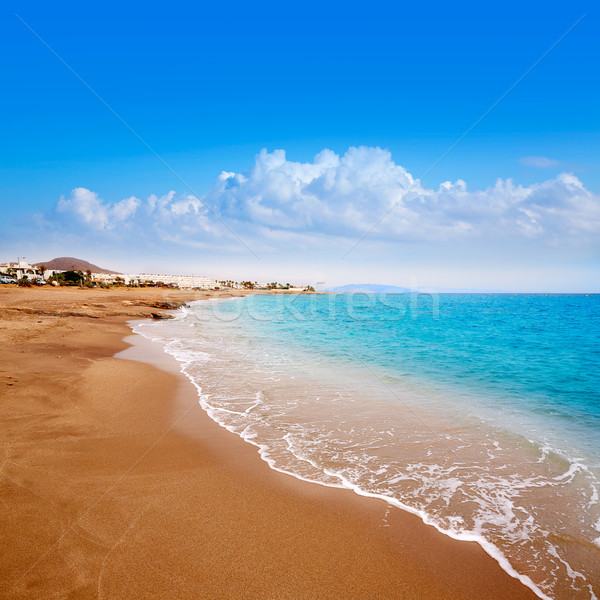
(481, 487)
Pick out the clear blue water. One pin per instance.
(479, 413)
(539, 354)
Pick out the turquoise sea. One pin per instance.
(479, 413)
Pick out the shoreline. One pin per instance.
(148, 511)
(263, 451)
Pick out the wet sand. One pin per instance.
(115, 484)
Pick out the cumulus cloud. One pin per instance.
(344, 196)
(125, 209)
(540, 162)
(93, 211)
(171, 216)
(187, 211)
(86, 205)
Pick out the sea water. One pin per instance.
(479, 413)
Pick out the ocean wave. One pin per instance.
(470, 479)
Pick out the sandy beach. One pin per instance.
(115, 483)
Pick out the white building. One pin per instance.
(21, 269)
(184, 282)
(104, 278)
(110, 278)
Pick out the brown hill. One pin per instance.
(68, 263)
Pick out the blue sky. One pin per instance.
(209, 86)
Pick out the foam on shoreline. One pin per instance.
(332, 478)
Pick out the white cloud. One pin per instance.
(346, 195)
(174, 217)
(86, 205)
(125, 209)
(540, 162)
(343, 197)
(93, 211)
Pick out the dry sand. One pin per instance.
(100, 497)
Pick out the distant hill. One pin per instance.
(68, 263)
(440, 290)
(369, 288)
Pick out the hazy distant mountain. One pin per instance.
(441, 290)
(372, 288)
(369, 288)
(68, 263)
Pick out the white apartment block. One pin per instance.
(185, 282)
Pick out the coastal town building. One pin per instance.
(104, 278)
(180, 281)
(18, 270)
(21, 269)
(184, 282)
